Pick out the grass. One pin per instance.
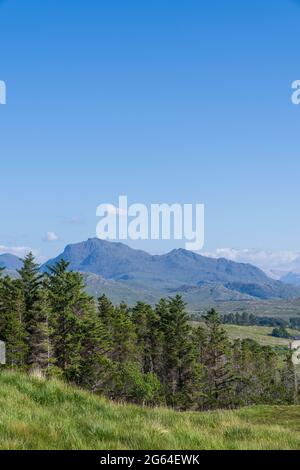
(261, 334)
(39, 414)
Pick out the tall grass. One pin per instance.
(39, 414)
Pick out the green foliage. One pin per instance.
(138, 387)
(280, 332)
(217, 359)
(12, 323)
(39, 414)
(144, 355)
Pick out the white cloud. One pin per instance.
(73, 220)
(50, 237)
(274, 263)
(19, 251)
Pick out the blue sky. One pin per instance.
(165, 101)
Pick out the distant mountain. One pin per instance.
(10, 262)
(120, 262)
(135, 274)
(291, 278)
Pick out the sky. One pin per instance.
(162, 101)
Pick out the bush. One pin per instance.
(140, 388)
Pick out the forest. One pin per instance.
(148, 355)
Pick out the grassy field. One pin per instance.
(38, 414)
(261, 334)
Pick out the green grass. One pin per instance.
(38, 414)
(261, 334)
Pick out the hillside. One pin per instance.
(10, 262)
(38, 414)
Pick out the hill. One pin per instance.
(38, 414)
(141, 276)
(10, 262)
(291, 278)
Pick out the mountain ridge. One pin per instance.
(171, 272)
(124, 273)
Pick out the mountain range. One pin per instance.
(124, 273)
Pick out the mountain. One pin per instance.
(120, 262)
(291, 278)
(131, 274)
(10, 262)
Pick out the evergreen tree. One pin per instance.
(68, 302)
(12, 330)
(149, 337)
(290, 380)
(219, 375)
(180, 373)
(124, 338)
(31, 281)
(40, 354)
(96, 368)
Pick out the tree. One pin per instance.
(290, 380)
(280, 332)
(219, 374)
(40, 354)
(180, 373)
(149, 337)
(124, 338)
(96, 368)
(68, 302)
(12, 330)
(31, 281)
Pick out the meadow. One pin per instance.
(40, 414)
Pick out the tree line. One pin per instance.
(249, 319)
(145, 355)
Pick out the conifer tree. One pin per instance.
(12, 330)
(219, 375)
(180, 373)
(123, 336)
(68, 301)
(290, 380)
(31, 281)
(96, 368)
(149, 337)
(40, 354)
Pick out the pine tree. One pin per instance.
(68, 301)
(219, 375)
(12, 330)
(96, 368)
(31, 281)
(290, 380)
(180, 373)
(40, 354)
(105, 310)
(149, 337)
(124, 339)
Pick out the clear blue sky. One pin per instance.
(165, 101)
